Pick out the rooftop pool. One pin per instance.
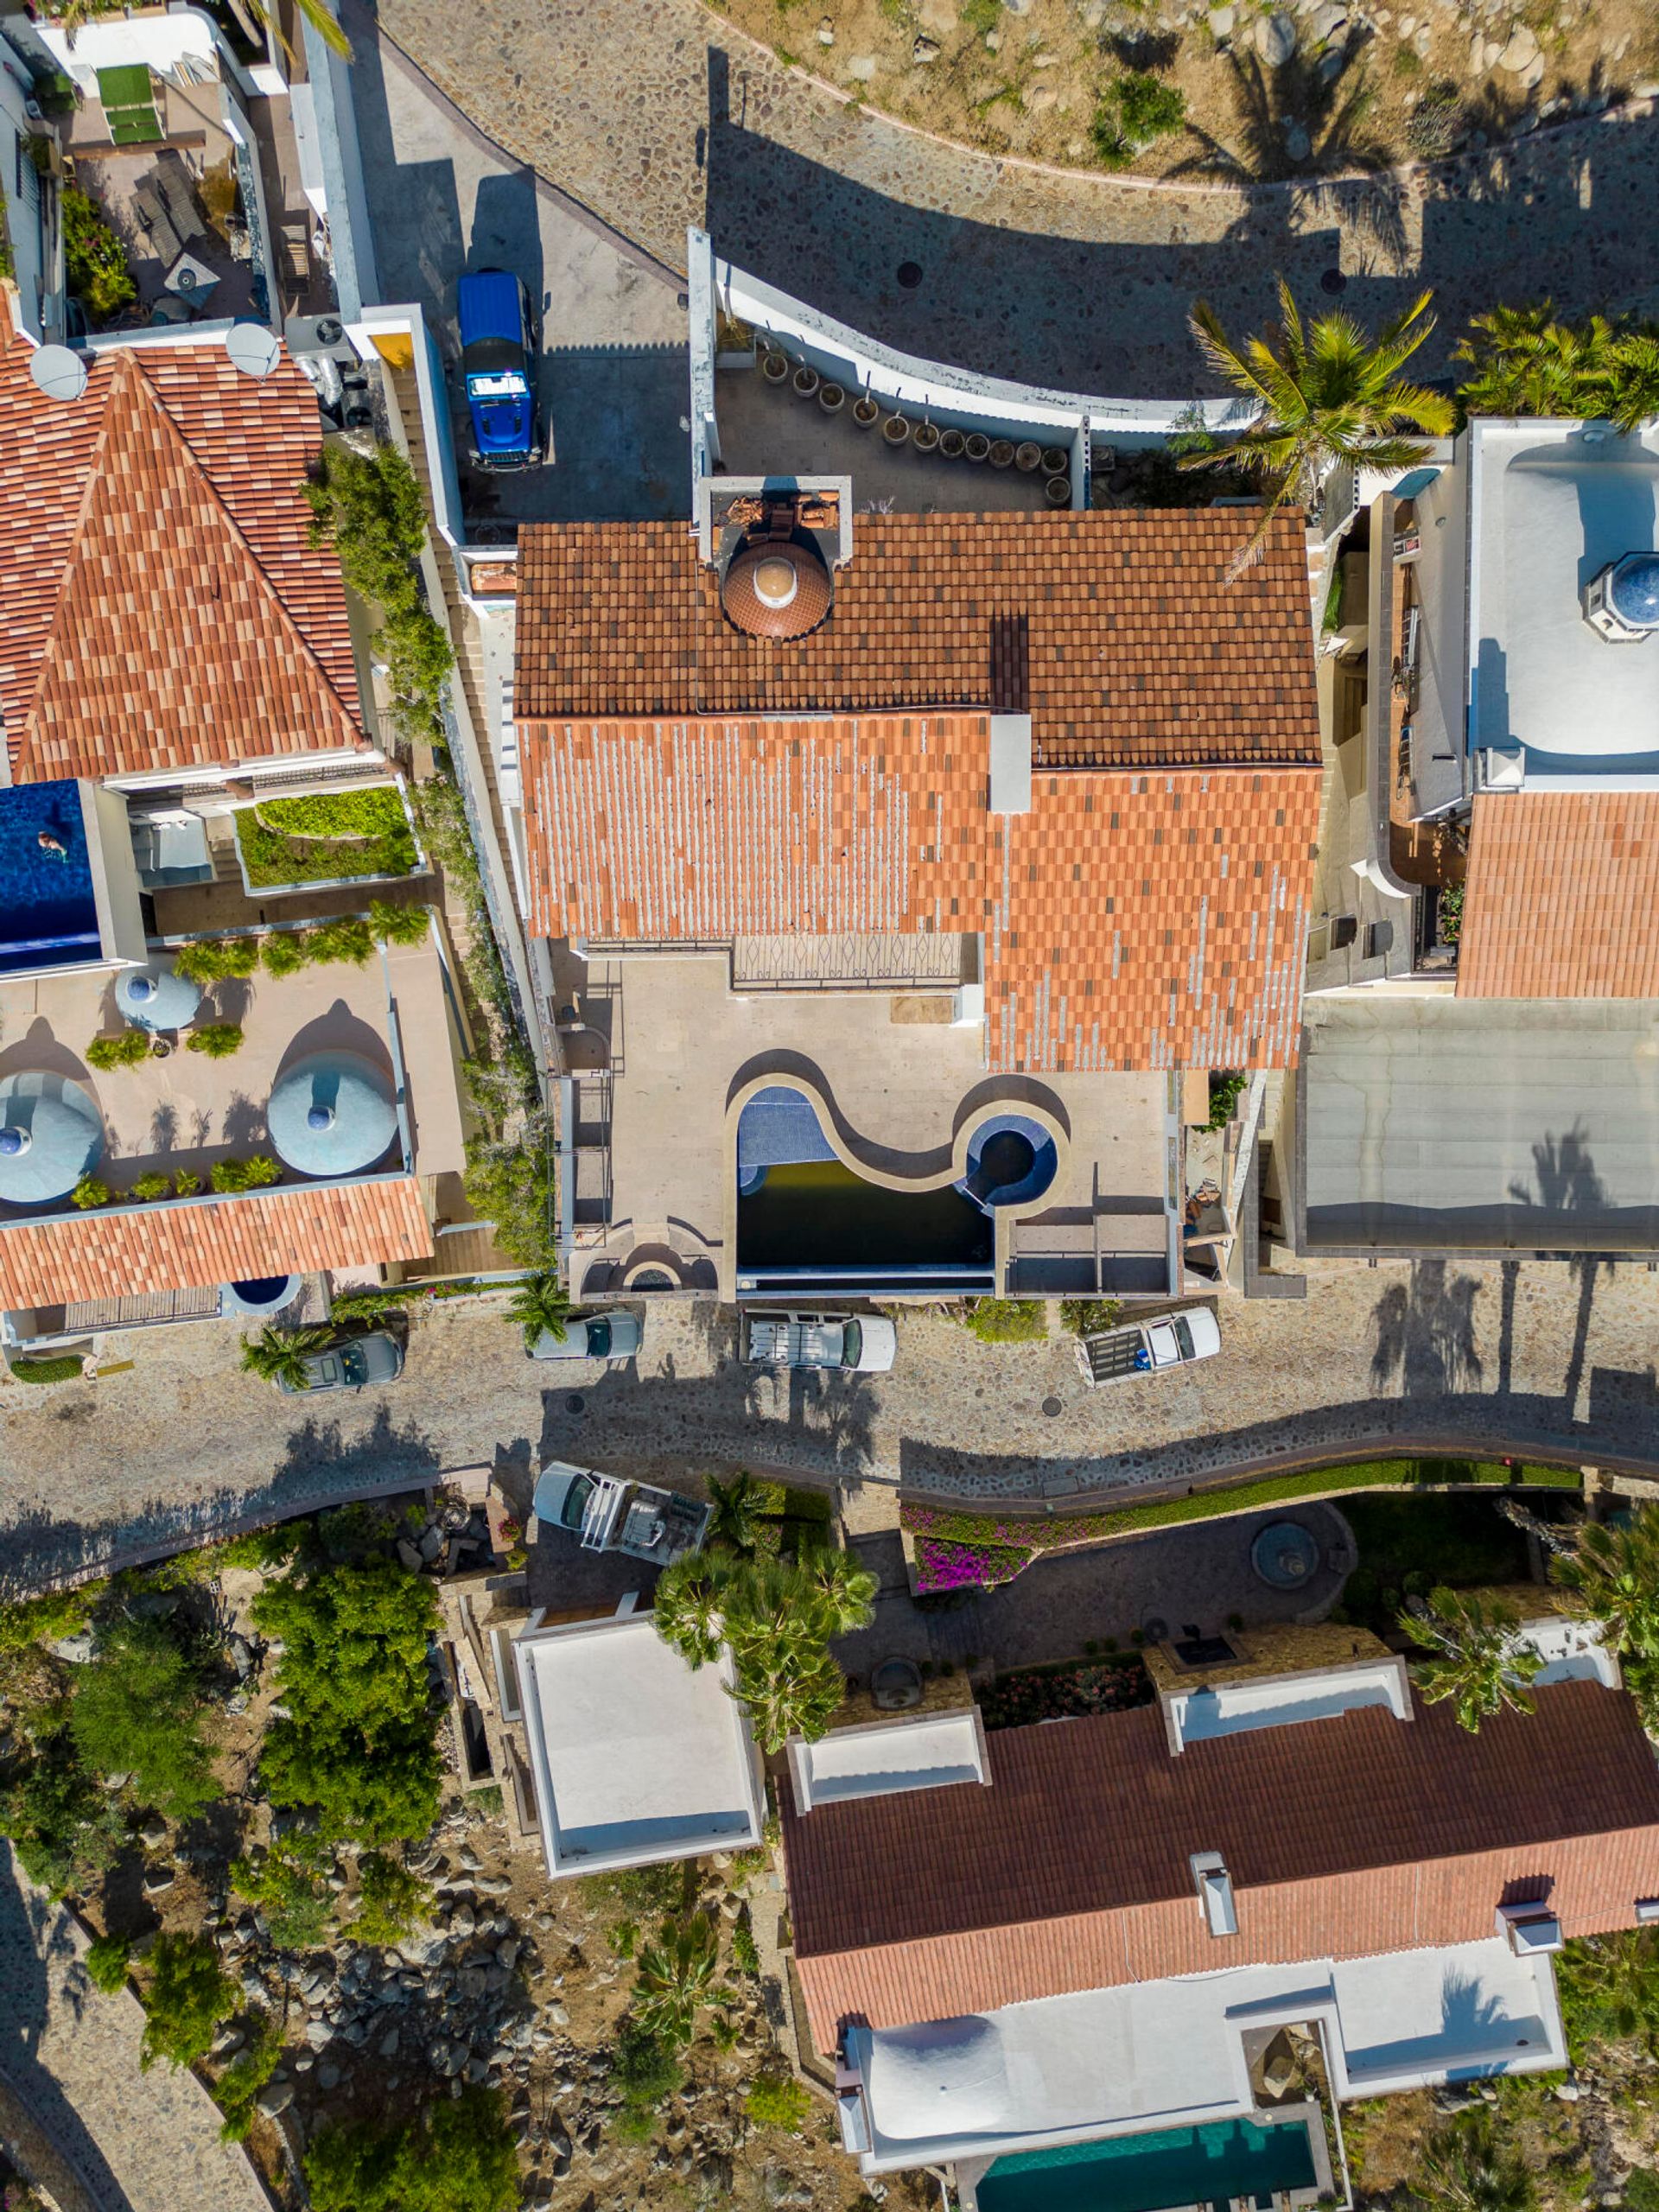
(47, 915)
(1154, 2173)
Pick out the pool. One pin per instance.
(47, 915)
(1152, 2173)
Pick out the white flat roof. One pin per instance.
(1158, 2054)
(1572, 1651)
(634, 1756)
(1272, 1701)
(929, 1753)
(1554, 503)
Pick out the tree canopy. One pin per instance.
(1478, 1662)
(457, 2157)
(138, 1710)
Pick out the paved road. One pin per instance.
(654, 114)
(103, 2136)
(1547, 1359)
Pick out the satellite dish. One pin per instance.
(252, 349)
(58, 373)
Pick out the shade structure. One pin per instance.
(51, 1135)
(155, 997)
(332, 1114)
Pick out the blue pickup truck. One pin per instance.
(498, 360)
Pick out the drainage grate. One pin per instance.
(1053, 1406)
(910, 274)
(1333, 282)
(575, 1403)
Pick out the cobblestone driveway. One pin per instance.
(1538, 1359)
(655, 115)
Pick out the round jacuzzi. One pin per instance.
(261, 1295)
(1285, 1555)
(1011, 1160)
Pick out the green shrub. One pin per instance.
(107, 1959)
(218, 960)
(218, 1039)
(90, 1192)
(283, 951)
(744, 1948)
(154, 1184)
(512, 1185)
(56, 94)
(1227, 1086)
(1090, 1317)
(399, 925)
(186, 2001)
(64, 1368)
(457, 2157)
(358, 1745)
(237, 2087)
(1132, 114)
(284, 1885)
(49, 1619)
(255, 1175)
(139, 1709)
(778, 2101)
(64, 1829)
(391, 1900)
(348, 938)
(1641, 2191)
(646, 2069)
(95, 262)
(374, 821)
(124, 1049)
(185, 1183)
(1005, 1320)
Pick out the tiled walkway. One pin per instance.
(1533, 1359)
(654, 114)
(103, 2137)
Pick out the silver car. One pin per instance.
(613, 1335)
(376, 1357)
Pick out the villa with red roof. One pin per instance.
(901, 866)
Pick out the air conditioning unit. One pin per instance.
(313, 335)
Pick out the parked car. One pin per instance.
(1148, 1349)
(611, 1514)
(614, 1335)
(860, 1344)
(376, 1357)
(499, 346)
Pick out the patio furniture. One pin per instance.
(172, 184)
(128, 99)
(156, 224)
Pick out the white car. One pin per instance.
(1149, 1348)
(856, 1343)
(592, 1336)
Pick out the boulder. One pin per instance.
(925, 50)
(1221, 21)
(1521, 51)
(327, 2076)
(274, 2097)
(319, 2034)
(153, 1834)
(157, 1878)
(1276, 39)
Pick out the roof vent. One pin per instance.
(1214, 1887)
(1622, 603)
(1531, 1928)
(776, 584)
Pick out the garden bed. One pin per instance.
(348, 837)
(1065, 1693)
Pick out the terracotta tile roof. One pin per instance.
(164, 607)
(1132, 919)
(192, 1243)
(1561, 890)
(1343, 1837)
(1135, 651)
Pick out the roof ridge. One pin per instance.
(129, 385)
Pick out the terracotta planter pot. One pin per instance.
(925, 437)
(951, 443)
(1026, 455)
(866, 412)
(896, 429)
(976, 446)
(1001, 453)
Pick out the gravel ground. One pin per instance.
(1535, 1358)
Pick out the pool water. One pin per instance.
(1152, 2173)
(48, 916)
(805, 1214)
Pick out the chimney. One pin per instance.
(1215, 1888)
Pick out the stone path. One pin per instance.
(1533, 1359)
(654, 115)
(103, 2136)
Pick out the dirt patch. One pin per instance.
(1307, 87)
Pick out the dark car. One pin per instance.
(376, 1357)
(499, 343)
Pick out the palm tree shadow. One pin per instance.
(1426, 1333)
(1568, 1182)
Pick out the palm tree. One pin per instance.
(740, 1508)
(315, 12)
(1469, 2168)
(787, 1692)
(1613, 1576)
(1526, 363)
(1633, 378)
(540, 1308)
(1478, 1659)
(279, 1355)
(676, 1977)
(1324, 393)
(842, 1591)
(689, 1607)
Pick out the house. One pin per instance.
(894, 867)
(177, 655)
(1099, 1934)
(1511, 760)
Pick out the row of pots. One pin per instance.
(927, 437)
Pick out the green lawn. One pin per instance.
(378, 840)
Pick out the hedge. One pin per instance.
(64, 1368)
(1051, 1533)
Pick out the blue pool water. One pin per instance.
(1152, 2173)
(47, 916)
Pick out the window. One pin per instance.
(1183, 1337)
(574, 1509)
(599, 1339)
(852, 1344)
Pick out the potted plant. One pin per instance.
(1058, 490)
(865, 411)
(806, 381)
(950, 444)
(976, 446)
(925, 437)
(775, 367)
(832, 397)
(1002, 454)
(1056, 460)
(896, 429)
(1027, 454)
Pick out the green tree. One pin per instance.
(539, 1306)
(187, 2000)
(740, 1506)
(358, 1742)
(64, 1829)
(675, 1978)
(1478, 1662)
(1611, 1576)
(390, 1902)
(457, 2157)
(1323, 394)
(1469, 2167)
(279, 1355)
(1608, 1989)
(1525, 361)
(107, 1960)
(139, 1709)
(688, 1606)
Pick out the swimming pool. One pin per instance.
(1152, 2173)
(47, 915)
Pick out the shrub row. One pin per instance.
(281, 952)
(226, 1175)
